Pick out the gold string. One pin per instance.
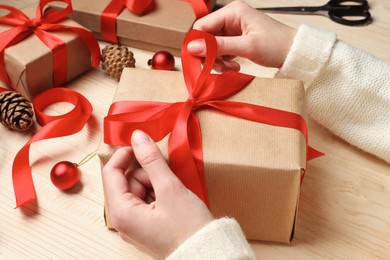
(86, 158)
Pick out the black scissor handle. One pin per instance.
(360, 4)
(339, 17)
(338, 11)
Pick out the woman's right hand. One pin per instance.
(243, 31)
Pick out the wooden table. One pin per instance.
(344, 210)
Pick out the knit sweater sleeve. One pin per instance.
(348, 90)
(220, 239)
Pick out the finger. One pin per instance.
(198, 48)
(218, 21)
(227, 46)
(115, 181)
(121, 159)
(139, 183)
(234, 46)
(231, 65)
(212, 23)
(228, 57)
(150, 197)
(137, 188)
(219, 66)
(122, 198)
(151, 160)
(222, 65)
(142, 177)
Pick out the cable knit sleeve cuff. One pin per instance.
(220, 239)
(309, 52)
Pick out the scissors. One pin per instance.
(346, 12)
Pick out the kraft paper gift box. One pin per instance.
(163, 28)
(253, 170)
(29, 63)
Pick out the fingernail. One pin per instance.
(219, 65)
(218, 68)
(140, 137)
(196, 47)
(232, 66)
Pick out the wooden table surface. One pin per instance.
(344, 210)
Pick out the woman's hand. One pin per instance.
(148, 205)
(243, 31)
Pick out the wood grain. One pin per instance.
(344, 210)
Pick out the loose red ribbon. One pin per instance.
(52, 126)
(42, 25)
(139, 7)
(159, 119)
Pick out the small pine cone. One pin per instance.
(16, 112)
(115, 58)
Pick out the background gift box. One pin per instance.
(29, 64)
(163, 27)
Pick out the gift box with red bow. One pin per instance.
(238, 142)
(40, 48)
(145, 24)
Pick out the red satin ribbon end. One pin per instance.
(24, 199)
(313, 153)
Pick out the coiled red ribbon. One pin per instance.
(139, 7)
(52, 126)
(159, 119)
(41, 26)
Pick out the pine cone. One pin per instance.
(115, 58)
(15, 111)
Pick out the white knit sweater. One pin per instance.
(348, 92)
(220, 239)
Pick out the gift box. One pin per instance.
(29, 64)
(238, 142)
(253, 171)
(162, 28)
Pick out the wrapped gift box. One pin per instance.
(164, 28)
(253, 170)
(29, 63)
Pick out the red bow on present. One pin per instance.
(139, 7)
(159, 119)
(41, 26)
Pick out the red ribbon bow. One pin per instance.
(205, 90)
(139, 7)
(41, 26)
(53, 126)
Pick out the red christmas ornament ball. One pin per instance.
(65, 175)
(162, 60)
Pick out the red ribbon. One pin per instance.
(113, 9)
(41, 26)
(53, 126)
(205, 90)
(201, 7)
(139, 7)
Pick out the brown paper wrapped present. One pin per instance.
(163, 28)
(29, 63)
(253, 171)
